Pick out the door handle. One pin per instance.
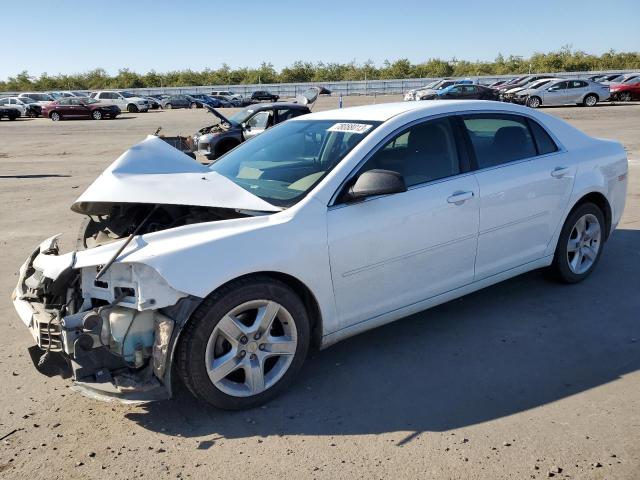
(559, 172)
(460, 197)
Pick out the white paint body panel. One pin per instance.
(374, 262)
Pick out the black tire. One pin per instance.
(560, 268)
(624, 96)
(534, 102)
(131, 108)
(588, 100)
(97, 115)
(190, 363)
(12, 118)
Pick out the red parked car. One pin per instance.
(627, 91)
(79, 107)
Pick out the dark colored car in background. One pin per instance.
(466, 92)
(80, 107)
(10, 113)
(201, 99)
(175, 101)
(261, 95)
(34, 109)
(154, 104)
(226, 102)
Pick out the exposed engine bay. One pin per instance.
(109, 327)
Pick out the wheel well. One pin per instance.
(602, 203)
(309, 300)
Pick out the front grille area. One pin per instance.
(49, 332)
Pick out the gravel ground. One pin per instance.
(526, 379)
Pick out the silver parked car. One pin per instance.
(565, 92)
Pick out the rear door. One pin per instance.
(525, 181)
(576, 90)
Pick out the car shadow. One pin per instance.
(514, 346)
(39, 175)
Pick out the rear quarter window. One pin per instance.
(544, 142)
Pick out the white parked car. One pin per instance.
(228, 94)
(127, 101)
(320, 228)
(15, 102)
(40, 98)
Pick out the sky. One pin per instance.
(73, 36)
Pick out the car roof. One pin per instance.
(269, 105)
(385, 111)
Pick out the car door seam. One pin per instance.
(387, 261)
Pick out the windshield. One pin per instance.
(242, 115)
(87, 100)
(629, 79)
(284, 163)
(538, 84)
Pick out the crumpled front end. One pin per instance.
(113, 335)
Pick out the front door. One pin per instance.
(258, 123)
(392, 251)
(556, 94)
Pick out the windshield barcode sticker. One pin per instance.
(350, 127)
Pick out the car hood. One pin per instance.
(218, 114)
(154, 172)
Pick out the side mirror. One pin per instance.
(246, 126)
(376, 182)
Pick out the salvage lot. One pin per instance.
(524, 374)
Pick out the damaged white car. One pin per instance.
(322, 227)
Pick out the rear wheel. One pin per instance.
(580, 244)
(131, 108)
(534, 102)
(590, 100)
(168, 106)
(244, 344)
(193, 105)
(55, 116)
(96, 115)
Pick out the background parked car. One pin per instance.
(466, 92)
(226, 102)
(80, 107)
(9, 112)
(124, 100)
(627, 91)
(217, 139)
(433, 88)
(175, 101)
(261, 95)
(565, 92)
(203, 99)
(154, 104)
(520, 95)
(228, 94)
(30, 108)
(41, 98)
(509, 95)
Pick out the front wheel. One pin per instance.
(244, 344)
(625, 96)
(55, 116)
(534, 102)
(131, 108)
(580, 244)
(193, 105)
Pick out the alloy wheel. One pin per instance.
(97, 115)
(251, 348)
(55, 116)
(625, 96)
(534, 102)
(584, 244)
(590, 101)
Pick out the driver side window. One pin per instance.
(422, 153)
(260, 120)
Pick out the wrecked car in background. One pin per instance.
(217, 139)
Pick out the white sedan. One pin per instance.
(322, 227)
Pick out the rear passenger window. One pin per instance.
(498, 139)
(423, 153)
(544, 142)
